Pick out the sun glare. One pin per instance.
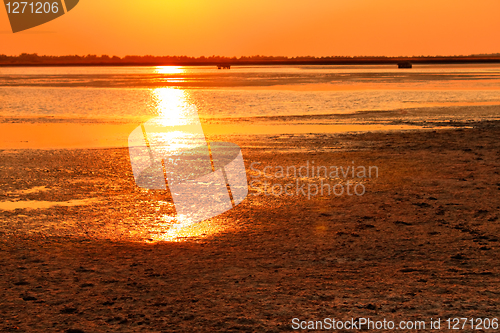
(169, 69)
(180, 228)
(177, 124)
(173, 107)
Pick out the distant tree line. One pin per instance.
(33, 59)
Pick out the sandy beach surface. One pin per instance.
(82, 249)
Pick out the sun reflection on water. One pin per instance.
(173, 106)
(176, 128)
(177, 125)
(169, 69)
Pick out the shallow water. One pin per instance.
(33, 204)
(257, 94)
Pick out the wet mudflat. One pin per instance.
(421, 243)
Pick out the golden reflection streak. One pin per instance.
(172, 106)
(179, 229)
(177, 125)
(177, 128)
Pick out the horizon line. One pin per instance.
(256, 56)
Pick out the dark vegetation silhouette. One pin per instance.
(26, 59)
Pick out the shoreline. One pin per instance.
(97, 136)
(315, 62)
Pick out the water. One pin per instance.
(274, 94)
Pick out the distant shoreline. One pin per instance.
(238, 62)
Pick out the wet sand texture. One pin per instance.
(422, 242)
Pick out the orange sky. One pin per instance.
(267, 27)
